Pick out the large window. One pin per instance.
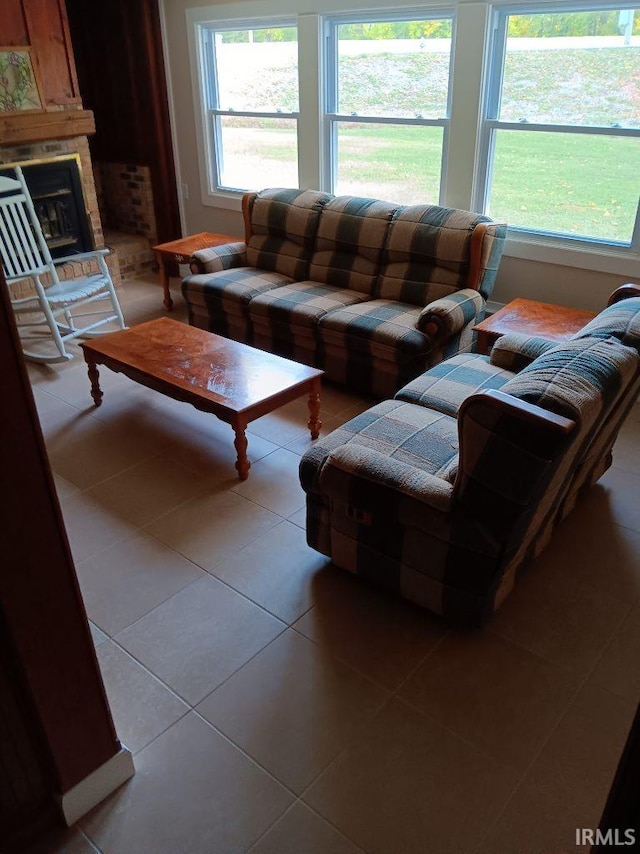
(251, 94)
(387, 106)
(526, 110)
(562, 144)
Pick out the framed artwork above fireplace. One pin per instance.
(19, 87)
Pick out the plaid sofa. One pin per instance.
(443, 493)
(371, 292)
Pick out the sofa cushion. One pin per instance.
(418, 437)
(382, 328)
(445, 386)
(515, 350)
(301, 303)
(235, 287)
(578, 379)
(283, 225)
(427, 254)
(349, 243)
(620, 320)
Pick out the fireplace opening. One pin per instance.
(56, 189)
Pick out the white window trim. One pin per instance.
(595, 254)
(468, 89)
(332, 118)
(213, 111)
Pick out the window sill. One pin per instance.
(229, 201)
(620, 262)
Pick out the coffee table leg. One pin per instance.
(314, 409)
(96, 391)
(240, 442)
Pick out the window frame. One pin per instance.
(209, 95)
(332, 118)
(497, 50)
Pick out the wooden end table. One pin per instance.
(234, 382)
(556, 322)
(179, 251)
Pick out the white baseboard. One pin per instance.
(95, 788)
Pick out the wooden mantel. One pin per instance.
(16, 129)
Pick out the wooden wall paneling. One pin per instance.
(122, 78)
(161, 162)
(40, 598)
(13, 26)
(16, 129)
(48, 33)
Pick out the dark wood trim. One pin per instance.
(529, 412)
(44, 615)
(624, 292)
(622, 810)
(40, 127)
(128, 95)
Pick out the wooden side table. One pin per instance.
(556, 322)
(179, 251)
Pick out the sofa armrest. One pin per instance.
(382, 470)
(217, 258)
(448, 315)
(507, 450)
(624, 292)
(515, 350)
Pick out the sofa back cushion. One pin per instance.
(431, 252)
(584, 380)
(620, 321)
(579, 379)
(281, 228)
(349, 243)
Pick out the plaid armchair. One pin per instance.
(441, 494)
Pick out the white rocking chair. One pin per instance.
(26, 256)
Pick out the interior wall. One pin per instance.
(546, 281)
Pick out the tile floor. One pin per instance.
(277, 706)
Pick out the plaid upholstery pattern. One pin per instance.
(283, 228)
(349, 243)
(373, 346)
(582, 380)
(301, 303)
(414, 436)
(285, 319)
(312, 259)
(219, 302)
(449, 532)
(451, 314)
(571, 377)
(445, 386)
(491, 251)
(515, 350)
(620, 320)
(427, 254)
(217, 258)
(382, 328)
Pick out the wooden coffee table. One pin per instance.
(234, 382)
(556, 322)
(179, 251)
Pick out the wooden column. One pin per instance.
(47, 657)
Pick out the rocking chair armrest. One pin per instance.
(81, 256)
(37, 271)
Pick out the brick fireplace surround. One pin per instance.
(121, 194)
